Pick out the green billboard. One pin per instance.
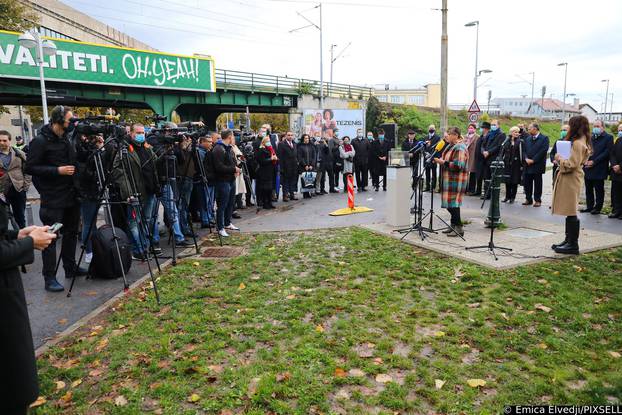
(107, 65)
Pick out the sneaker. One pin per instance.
(139, 256)
(183, 244)
(223, 233)
(236, 216)
(88, 257)
(156, 248)
(51, 284)
(232, 227)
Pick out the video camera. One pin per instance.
(100, 124)
(167, 135)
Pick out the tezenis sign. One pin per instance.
(107, 65)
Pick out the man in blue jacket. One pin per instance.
(596, 169)
(536, 148)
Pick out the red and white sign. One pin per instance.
(473, 117)
(474, 107)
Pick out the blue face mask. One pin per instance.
(139, 138)
(381, 137)
(370, 137)
(494, 128)
(596, 131)
(619, 134)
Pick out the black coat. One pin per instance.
(47, 153)
(224, 163)
(265, 170)
(601, 146)
(288, 159)
(480, 162)
(306, 156)
(492, 144)
(362, 148)
(379, 149)
(513, 161)
(430, 148)
(18, 370)
(324, 156)
(615, 156)
(536, 150)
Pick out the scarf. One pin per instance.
(347, 147)
(272, 153)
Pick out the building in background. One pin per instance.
(588, 112)
(427, 96)
(61, 21)
(550, 108)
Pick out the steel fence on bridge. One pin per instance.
(254, 82)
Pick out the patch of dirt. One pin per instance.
(401, 349)
(222, 252)
(428, 331)
(471, 357)
(577, 384)
(426, 351)
(365, 350)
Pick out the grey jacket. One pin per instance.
(15, 173)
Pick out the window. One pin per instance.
(416, 100)
(382, 98)
(397, 99)
(44, 31)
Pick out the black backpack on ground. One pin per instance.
(105, 263)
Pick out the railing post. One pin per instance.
(277, 85)
(252, 83)
(225, 73)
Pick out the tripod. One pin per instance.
(493, 186)
(204, 183)
(417, 197)
(104, 199)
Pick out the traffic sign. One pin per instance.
(473, 117)
(474, 107)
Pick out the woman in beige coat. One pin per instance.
(569, 182)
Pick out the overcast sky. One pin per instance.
(394, 41)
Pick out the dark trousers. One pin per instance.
(375, 178)
(290, 183)
(225, 199)
(510, 190)
(594, 187)
(361, 171)
(533, 187)
(431, 173)
(265, 197)
(70, 218)
(616, 196)
(455, 216)
(472, 182)
(17, 200)
(336, 174)
(331, 178)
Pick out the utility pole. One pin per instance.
(606, 96)
(565, 65)
(611, 106)
(543, 94)
(476, 24)
(321, 61)
(489, 96)
(333, 60)
(444, 67)
(533, 83)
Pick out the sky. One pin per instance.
(394, 42)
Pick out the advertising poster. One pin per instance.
(332, 122)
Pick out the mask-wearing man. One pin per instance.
(596, 169)
(287, 152)
(52, 164)
(491, 146)
(536, 148)
(431, 170)
(361, 162)
(378, 158)
(206, 144)
(616, 176)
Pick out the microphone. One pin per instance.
(438, 149)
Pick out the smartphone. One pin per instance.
(55, 228)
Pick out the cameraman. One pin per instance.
(206, 144)
(186, 170)
(52, 164)
(18, 369)
(225, 173)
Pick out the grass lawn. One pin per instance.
(347, 321)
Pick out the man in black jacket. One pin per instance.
(361, 160)
(431, 171)
(379, 153)
(491, 147)
(18, 369)
(225, 172)
(615, 157)
(534, 159)
(52, 164)
(597, 169)
(288, 162)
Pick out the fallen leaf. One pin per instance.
(95, 373)
(101, 345)
(473, 305)
(577, 268)
(215, 368)
(438, 383)
(91, 293)
(271, 248)
(252, 386)
(196, 264)
(242, 286)
(319, 328)
(340, 373)
(542, 308)
(458, 272)
(383, 378)
(542, 346)
(615, 355)
(474, 383)
(282, 377)
(291, 296)
(542, 281)
(60, 385)
(505, 316)
(194, 398)
(356, 373)
(120, 400)
(76, 383)
(62, 321)
(40, 401)
(67, 397)
(378, 361)
(439, 334)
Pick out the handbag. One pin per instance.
(307, 179)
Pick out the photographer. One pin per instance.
(14, 183)
(52, 164)
(225, 173)
(18, 369)
(206, 144)
(186, 171)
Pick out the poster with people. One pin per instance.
(328, 123)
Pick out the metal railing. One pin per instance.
(254, 82)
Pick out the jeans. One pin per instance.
(594, 187)
(88, 208)
(225, 199)
(185, 191)
(134, 221)
(17, 200)
(533, 184)
(70, 218)
(170, 211)
(207, 204)
(150, 212)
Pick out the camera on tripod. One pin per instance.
(167, 136)
(100, 124)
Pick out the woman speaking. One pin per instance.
(455, 178)
(569, 182)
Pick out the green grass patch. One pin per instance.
(347, 321)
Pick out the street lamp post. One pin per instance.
(533, 82)
(476, 24)
(44, 47)
(606, 96)
(565, 65)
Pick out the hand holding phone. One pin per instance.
(55, 228)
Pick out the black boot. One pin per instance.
(554, 246)
(571, 247)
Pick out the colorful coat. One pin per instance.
(455, 175)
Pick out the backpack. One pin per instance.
(105, 263)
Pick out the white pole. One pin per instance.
(44, 100)
(332, 60)
(564, 99)
(533, 83)
(606, 96)
(476, 61)
(444, 42)
(321, 63)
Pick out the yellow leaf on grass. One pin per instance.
(196, 264)
(439, 334)
(76, 383)
(438, 383)
(383, 378)
(340, 373)
(40, 401)
(242, 286)
(615, 355)
(194, 398)
(319, 328)
(543, 346)
(60, 385)
(67, 397)
(474, 383)
(271, 248)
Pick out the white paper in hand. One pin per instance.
(563, 149)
